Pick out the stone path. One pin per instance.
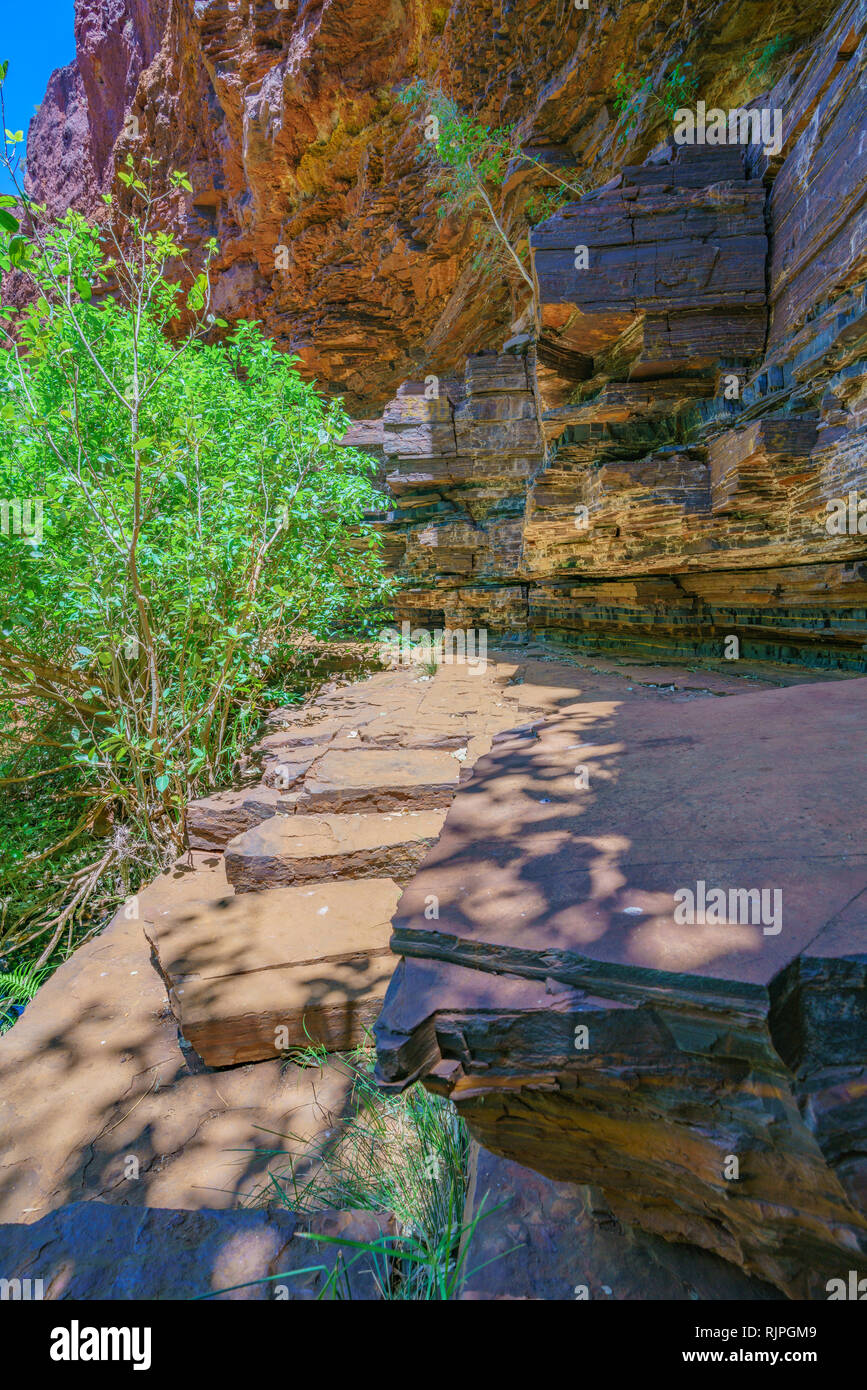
(102, 1097)
(130, 1078)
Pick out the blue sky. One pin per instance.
(35, 39)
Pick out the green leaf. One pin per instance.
(162, 782)
(196, 296)
(82, 287)
(7, 221)
(18, 249)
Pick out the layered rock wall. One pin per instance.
(288, 123)
(676, 460)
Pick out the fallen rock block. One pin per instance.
(381, 779)
(94, 1251)
(308, 849)
(260, 974)
(214, 820)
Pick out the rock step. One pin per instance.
(252, 976)
(380, 779)
(307, 849)
(214, 820)
(377, 728)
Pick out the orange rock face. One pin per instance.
(288, 122)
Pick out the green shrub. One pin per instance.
(678, 90)
(177, 513)
(467, 163)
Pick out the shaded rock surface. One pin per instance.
(260, 974)
(539, 1239)
(707, 1075)
(101, 1098)
(91, 1250)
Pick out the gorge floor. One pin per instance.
(148, 1069)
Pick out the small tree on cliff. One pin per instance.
(176, 512)
(468, 163)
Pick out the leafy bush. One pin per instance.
(176, 513)
(677, 91)
(470, 163)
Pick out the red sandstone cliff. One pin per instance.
(288, 124)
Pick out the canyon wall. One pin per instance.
(672, 458)
(653, 456)
(288, 123)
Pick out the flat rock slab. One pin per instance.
(379, 779)
(101, 1100)
(255, 976)
(306, 734)
(95, 1251)
(540, 1239)
(307, 849)
(570, 851)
